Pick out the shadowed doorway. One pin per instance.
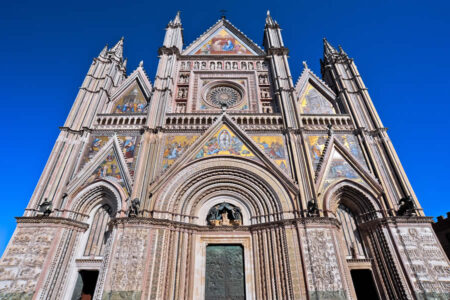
(364, 285)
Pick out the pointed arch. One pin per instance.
(254, 189)
(362, 201)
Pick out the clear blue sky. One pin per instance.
(400, 47)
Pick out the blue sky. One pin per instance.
(400, 47)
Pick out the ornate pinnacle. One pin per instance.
(327, 48)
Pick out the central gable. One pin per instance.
(222, 42)
(223, 39)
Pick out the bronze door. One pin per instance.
(225, 278)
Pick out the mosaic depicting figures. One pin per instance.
(273, 146)
(132, 102)
(313, 102)
(223, 43)
(129, 145)
(316, 145)
(95, 144)
(175, 146)
(224, 142)
(339, 168)
(109, 170)
(351, 143)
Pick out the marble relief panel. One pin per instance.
(23, 261)
(127, 264)
(425, 262)
(322, 269)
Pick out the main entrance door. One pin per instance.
(225, 278)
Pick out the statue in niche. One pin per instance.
(133, 211)
(312, 209)
(406, 207)
(224, 214)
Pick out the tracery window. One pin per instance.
(352, 237)
(98, 233)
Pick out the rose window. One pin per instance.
(223, 96)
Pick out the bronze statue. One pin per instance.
(312, 209)
(45, 207)
(134, 208)
(406, 207)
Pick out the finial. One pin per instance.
(305, 65)
(177, 19)
(268, 12)
(141, 64)
(269, 20)
(223, 14)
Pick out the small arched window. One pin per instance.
(352, 237)
(98, 232)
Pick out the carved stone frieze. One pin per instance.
(425, 262)
(322, 270)
(23, 261)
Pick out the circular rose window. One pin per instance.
(221, 96)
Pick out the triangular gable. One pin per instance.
(340, 165)
(223, 39)
(132, 95)
(225, 142)
(132, 101)
(225, 138)
(107, 164)
(313, 95)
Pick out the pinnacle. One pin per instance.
(269, 20)
(327, 48)
(118, 48)
(177, 19)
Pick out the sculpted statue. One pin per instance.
(45, 207)
(224, 214)
(133, 211)
(312, 209)
(406, 207)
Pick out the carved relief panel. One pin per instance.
(23, 262)
(426, 264)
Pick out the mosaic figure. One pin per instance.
(132, 102)
(313, 102)
(223, 43)
(175, 146)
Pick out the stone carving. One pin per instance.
(224, 214)
(406, 207)
(324, 278)
(22, 263)
(127, 267)
(425, 262)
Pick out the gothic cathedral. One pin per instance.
(221, 180)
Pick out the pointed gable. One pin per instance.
(110, 170)
(223, 42)
(131, 101)
(223, 39)
(314, 102)
(339, 168)
(225, 142)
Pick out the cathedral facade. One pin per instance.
(223, 179)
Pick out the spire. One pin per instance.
(269, 20)
(104, 50)
(177, 20)
(118, 48)
(327, 48)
